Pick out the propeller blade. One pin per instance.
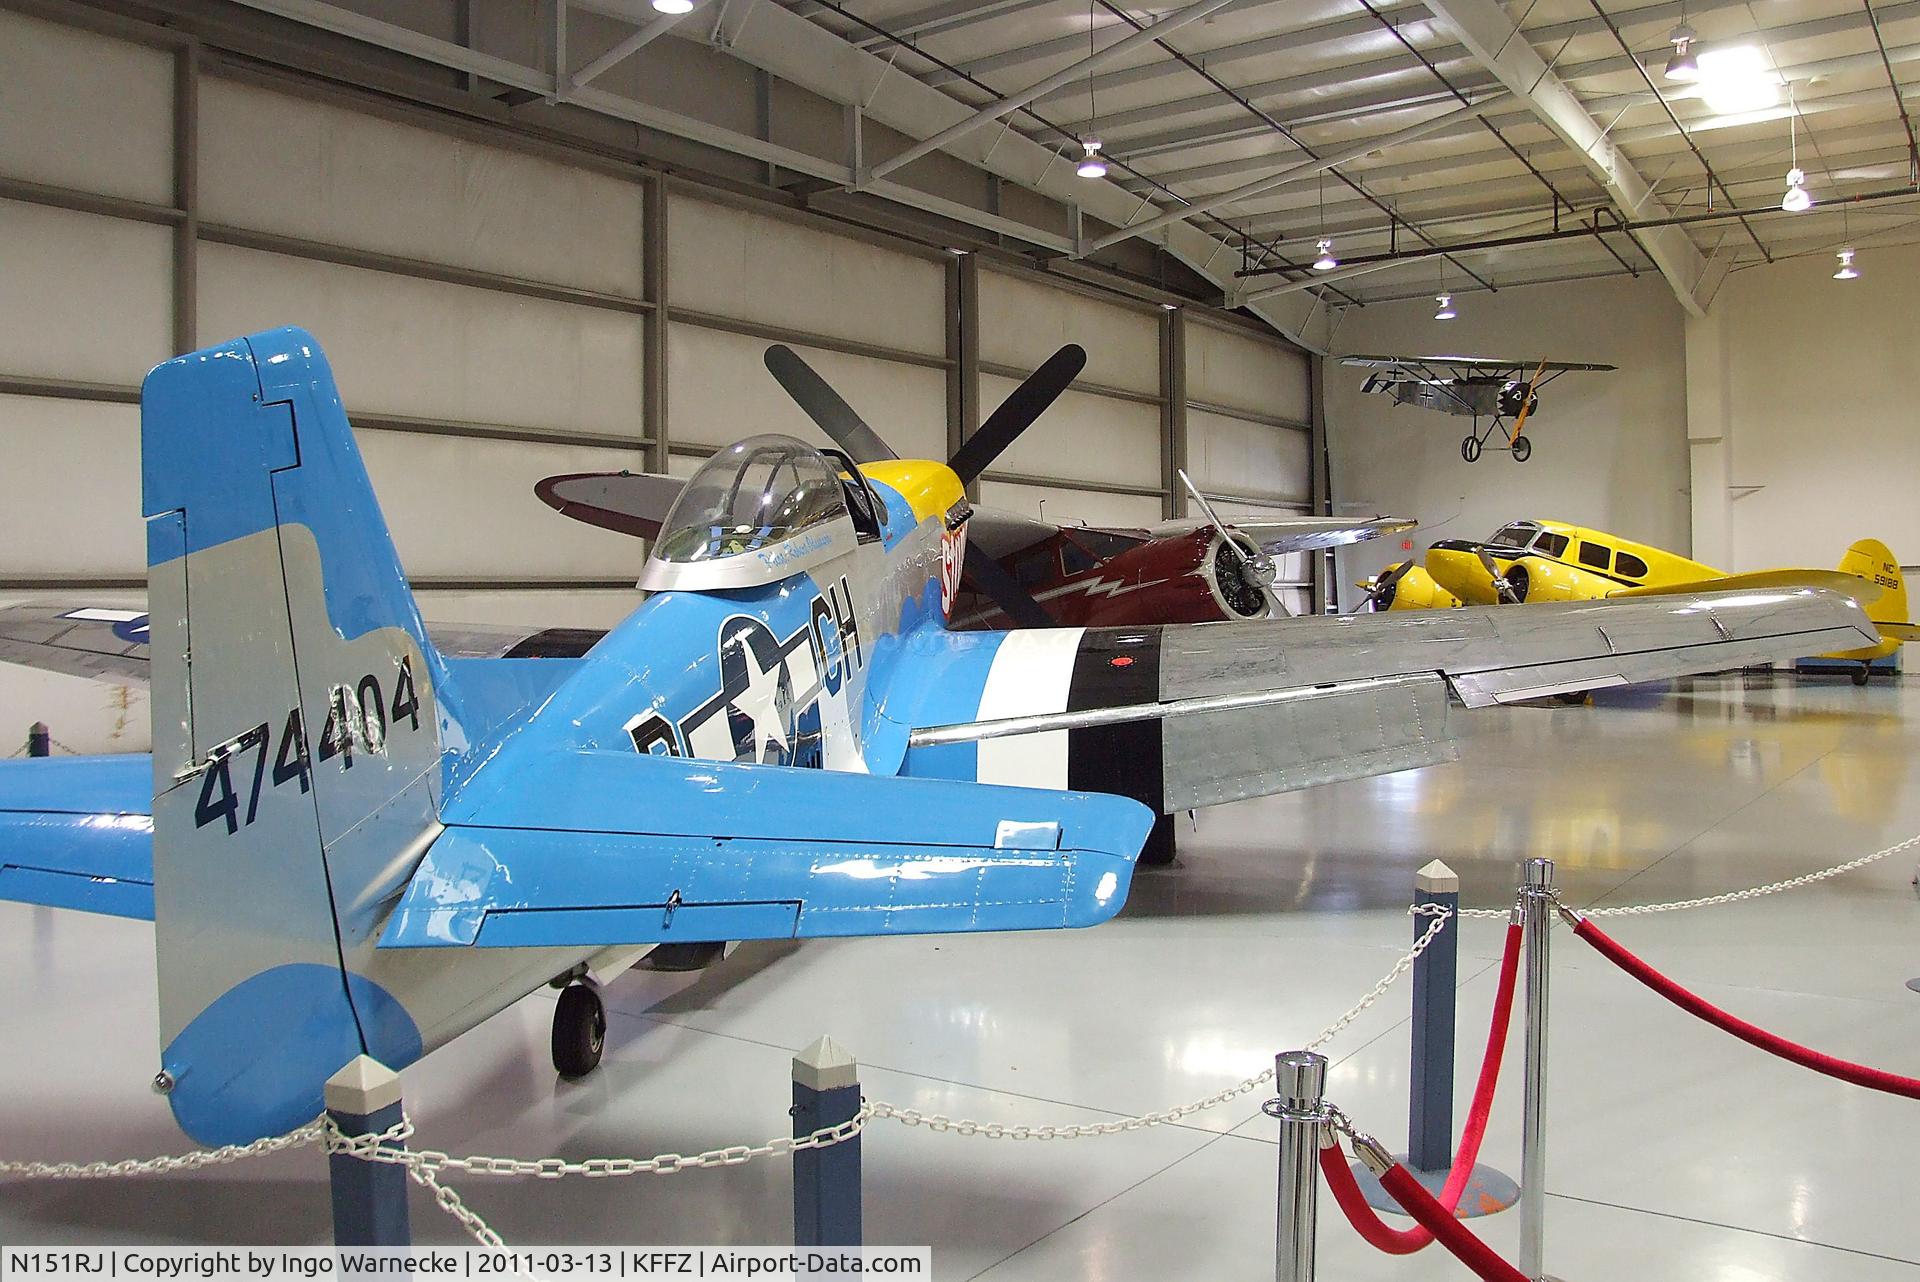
(1526, 405)
(825, 406)
(1005, 591)
(1258, 563)
(1017, 413)
(1380, 588)
(1502, 589)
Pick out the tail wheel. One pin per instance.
(579, 1031)
(1861, 674)
(1522, 449)
(1470, 448)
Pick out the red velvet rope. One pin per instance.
(1346, 1190)
(1453, 1235)
(1806, 1057)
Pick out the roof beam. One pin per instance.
(1484, 28)
(1296, 173)
(642, 36)
(1011, 103)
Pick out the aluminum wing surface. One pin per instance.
(1279, 536)
(1244, 709)
(110, 643)
(1467, 364)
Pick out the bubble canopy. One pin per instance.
(761, 509)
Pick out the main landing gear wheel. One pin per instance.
(579, 1031)
(1470, 448)
(1159, 850)
(1861, 674)
(1522, 449)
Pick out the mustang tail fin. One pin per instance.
(297, 712)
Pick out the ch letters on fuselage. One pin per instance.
(767, 709)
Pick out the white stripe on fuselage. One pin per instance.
(1032, 671)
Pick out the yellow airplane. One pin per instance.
(1555, 561)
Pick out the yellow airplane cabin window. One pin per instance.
(1630, 566)
(1553, 545)
(1597, 555)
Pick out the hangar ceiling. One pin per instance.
(1238, 134)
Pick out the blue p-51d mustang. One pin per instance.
(351, 840)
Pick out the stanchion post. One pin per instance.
(1435, 980)
(1539, 900)
(826, 1181)
(369, 1198)
(39, 740)
(1300, 1078)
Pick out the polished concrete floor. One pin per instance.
(1676, 1152)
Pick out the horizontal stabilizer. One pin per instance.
(604, 848)
(75, 833)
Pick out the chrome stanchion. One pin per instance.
(1537, 898)
(1301, 1080)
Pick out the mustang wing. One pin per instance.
(111, 643)
(1236, 710)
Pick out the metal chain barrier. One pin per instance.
(1082, 1130)
(169, 1165)
(1714, 901)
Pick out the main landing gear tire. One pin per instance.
(1861, 674)
(1470, 448)
(579, 1031)
(1159, 850)
(1522, 449)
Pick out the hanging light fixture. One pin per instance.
(1326, 262)
(1091, 165)
(673, 6)
(1847, 270)
(1445, 311)
(1796, 201)
(1683, 66)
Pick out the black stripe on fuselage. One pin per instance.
(1115, 667)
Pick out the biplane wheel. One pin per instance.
(1470, 448)
(579, 1031)
(1159, 850)
(1861, 674)
(1522, 449)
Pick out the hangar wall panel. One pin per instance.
(722, 391)
(424, 349)
(464, 508)
(83, 296)
(1818, 386)
(1242, 371)
(84, 111)
(756, 267)
(274, 162)
(1022, 322)
(1238, 456)
(1083, 437)
(1069, 506)
(70, 488)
